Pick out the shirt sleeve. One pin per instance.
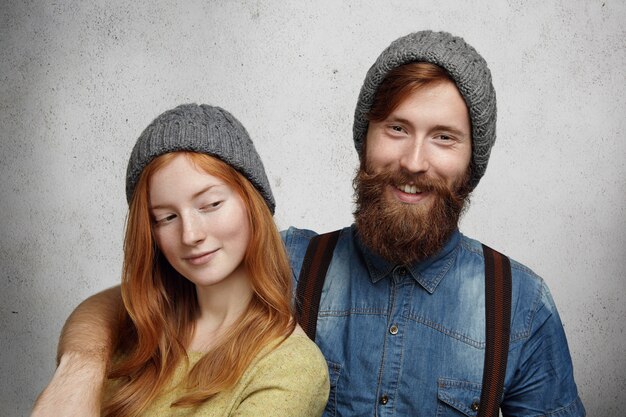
(290, 381)
(543, 381)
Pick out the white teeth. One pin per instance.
(409, 189)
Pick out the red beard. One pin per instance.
(404, 233)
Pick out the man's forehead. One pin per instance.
(439, 105)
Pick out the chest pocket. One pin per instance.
(457, 398)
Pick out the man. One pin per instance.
(402, 312)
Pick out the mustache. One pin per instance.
(404, 233)
(372, 181)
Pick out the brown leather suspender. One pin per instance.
(497, 311)
(498, 330)
(318, 255)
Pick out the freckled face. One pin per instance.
(427, 135)
(200, 223)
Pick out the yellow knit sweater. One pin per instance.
(289, 381)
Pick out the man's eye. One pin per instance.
(444, 138)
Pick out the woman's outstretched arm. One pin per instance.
(85, 347)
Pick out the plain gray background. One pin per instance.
(79, 81)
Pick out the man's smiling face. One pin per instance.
(411, 190)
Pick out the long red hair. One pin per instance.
(161, 305)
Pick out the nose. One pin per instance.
(414, 158)
(193, 230)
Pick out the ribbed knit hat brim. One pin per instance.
(466, 67)
(204, 129)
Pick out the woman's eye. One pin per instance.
(165, 220)
(397, 128)
(211, 206)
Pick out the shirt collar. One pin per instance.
(428, 273)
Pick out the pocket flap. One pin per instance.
(463, 396)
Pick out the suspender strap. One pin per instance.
(498, 329)
(497, 311)
(318, 255)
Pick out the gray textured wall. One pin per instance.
(79, 81)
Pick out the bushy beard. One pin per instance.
(404, 233)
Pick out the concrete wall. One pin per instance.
(79, 81)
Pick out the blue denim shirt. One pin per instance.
(411, 341)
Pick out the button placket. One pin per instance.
(399, 288)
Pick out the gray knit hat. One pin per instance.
(203, 129)
(466, 67)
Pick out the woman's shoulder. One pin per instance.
(289, 377)
(298, 345)
(297, 351)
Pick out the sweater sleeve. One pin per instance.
(291, 380)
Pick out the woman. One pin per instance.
(208, 326)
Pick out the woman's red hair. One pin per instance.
(161, 305)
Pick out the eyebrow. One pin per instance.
(194, 196)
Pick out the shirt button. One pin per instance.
(475, 406)
(393, 329)
(384, 399)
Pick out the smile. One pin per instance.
(409, 194)
(200, 258)
(409, 189)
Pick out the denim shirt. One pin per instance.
(410, 341)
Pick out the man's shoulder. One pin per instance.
(474, 249)
(532, 301)
(296, 242)
(542, 375)
(526, 283)
(295, 235)
(296, 239)
(529, 289)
